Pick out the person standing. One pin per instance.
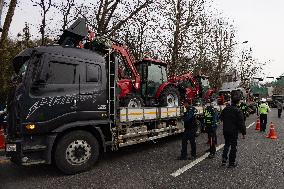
(190, 128)
(279, 108)
(210, 122)
(233, 123)
(263, 111)
(244, 108)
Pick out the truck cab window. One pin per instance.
(93, 73)
(60, 73)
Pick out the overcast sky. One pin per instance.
(260, 22)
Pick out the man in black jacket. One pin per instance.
(189, 131)
(233, 123)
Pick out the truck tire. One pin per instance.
(170, 97)
(76, 152)
(132, 102)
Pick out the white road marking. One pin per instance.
(195, 162)
(250, 125)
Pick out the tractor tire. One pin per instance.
(170, 97)
(76, 152)
(132, 102)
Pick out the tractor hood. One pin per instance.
(21, 58)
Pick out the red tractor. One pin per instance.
(193, 87)
(156, 90)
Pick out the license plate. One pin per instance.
(11, 147)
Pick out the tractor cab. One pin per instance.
(153, 74)
(155, 88)
(202, 84)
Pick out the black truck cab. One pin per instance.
(56, 89)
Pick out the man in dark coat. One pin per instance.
(190, 128)
(233, 123)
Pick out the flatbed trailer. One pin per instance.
(71, 124)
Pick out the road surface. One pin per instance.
(154, 165)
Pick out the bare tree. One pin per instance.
(248, 67)
(138, 33)
(110, 15)
(45, 6)
(7, 23)
(181, 16)
(65, 9)
(222, 46)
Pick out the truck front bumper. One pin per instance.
(30, 150)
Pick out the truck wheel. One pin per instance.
(132, 102)
(170, 97)
(76, 152)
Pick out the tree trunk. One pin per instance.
(176, 40)
(7, 22)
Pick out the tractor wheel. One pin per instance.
(170, 97)
(132, 102)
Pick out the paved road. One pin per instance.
(261, 165)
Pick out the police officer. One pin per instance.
(263, 111)
(244, 108)
(210, 122)
(279, 107)
(190, 127)
(233, 123)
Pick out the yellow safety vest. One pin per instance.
(263, 108)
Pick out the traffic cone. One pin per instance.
(2, 138)
(272, 133)
(257, 126)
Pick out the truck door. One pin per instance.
(92, 94)
(55, 92)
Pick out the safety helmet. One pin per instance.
(263, 100)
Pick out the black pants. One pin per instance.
(279, 113)
(189, 135)
(212, 137)
(263, 121)
(231, 141)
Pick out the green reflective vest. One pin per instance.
(263, 108)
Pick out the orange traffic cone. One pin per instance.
(257, 126)
(272, 133)
(2, 138)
